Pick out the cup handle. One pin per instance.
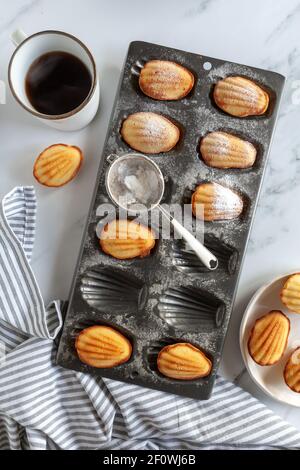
(18, 37)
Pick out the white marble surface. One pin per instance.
(263, 34)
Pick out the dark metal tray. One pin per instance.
(169, 296)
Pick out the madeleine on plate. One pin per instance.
(223, 150)
(125, 239)
(103, 347)
(240, 97)
(268, 338)
(292, 371)
(290, 294)
(165, 80)
(212, 201)
(183, 361)
(57, 165)
(150, 132)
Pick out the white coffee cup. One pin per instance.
(27, 51)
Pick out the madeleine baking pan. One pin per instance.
(170, 296)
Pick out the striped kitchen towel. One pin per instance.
(43, 406)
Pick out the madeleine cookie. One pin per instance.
(240, 97)
(290, 294)
(292, 371)
(183, 361)
(150, 132)
(212, 201)
(57, 165)
(222, 150)
(102, 347)
(268, 338)
(124, 239)
(165, 80)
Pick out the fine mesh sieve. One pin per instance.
(135, 183)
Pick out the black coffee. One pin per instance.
(57, 83)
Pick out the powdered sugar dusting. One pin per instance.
(225, 198)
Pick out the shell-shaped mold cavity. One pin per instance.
(153, 350)
(110, 289)
(186, 261)
(187, 308)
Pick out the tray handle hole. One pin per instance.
(207, 66)
(134, 374)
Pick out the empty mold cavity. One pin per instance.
(187, 262)
(187, 308)
(113, 290)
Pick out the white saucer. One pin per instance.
(270, 378)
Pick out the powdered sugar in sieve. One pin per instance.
(135, 181)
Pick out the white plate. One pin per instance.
(270, 378)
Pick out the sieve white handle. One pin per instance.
(207, 258)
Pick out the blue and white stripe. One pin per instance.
(21, 302)
(43, 406)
